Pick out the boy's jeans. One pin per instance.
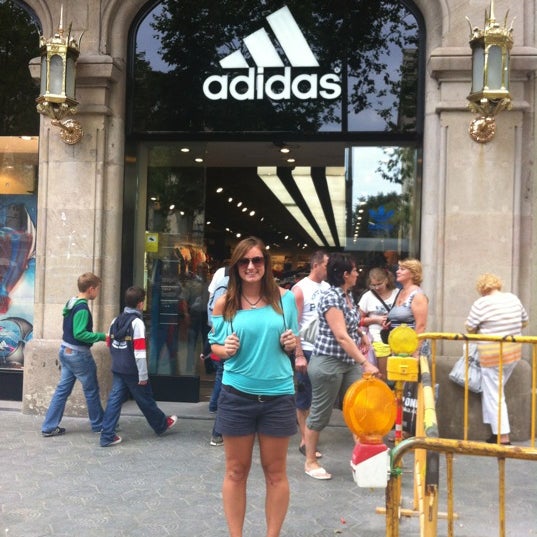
(76, 364)
(122, 385)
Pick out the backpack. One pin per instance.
(219, 291)
(121, 344)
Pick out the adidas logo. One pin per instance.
(279, 86)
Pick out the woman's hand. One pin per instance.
(232, 344)
(365, 341)
(385, 324)
(369, 368)
(288, 341)
(378, 319)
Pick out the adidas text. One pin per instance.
(253, 86)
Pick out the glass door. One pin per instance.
(197, 200)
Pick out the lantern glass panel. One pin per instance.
(43, 87)
(56, 75)
(70, 78)
(507, 66)
(478, 66)
(494, 68)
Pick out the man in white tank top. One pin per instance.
(307, 294)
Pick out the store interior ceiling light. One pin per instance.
(335, 178)
(303, 181)
(270, 177)
(315, 202)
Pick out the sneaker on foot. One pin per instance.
(55, 432)
(216, 440)
(116, 430)
(117, 440)
(170, 422)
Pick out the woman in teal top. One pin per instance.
(255, 325)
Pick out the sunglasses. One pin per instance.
(256, 261)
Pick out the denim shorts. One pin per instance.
(303, 387)
(240, 416)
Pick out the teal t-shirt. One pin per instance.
(260, 366)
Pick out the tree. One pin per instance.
(19, 42)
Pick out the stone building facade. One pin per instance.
(476, 202)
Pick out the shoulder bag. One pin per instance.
(458, 373)
(385, 332)
(309, 331)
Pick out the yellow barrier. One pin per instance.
(427, 446)
(532, 340)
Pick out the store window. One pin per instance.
(19, 127)
(357, 199)
(237, 129)
(307, 67)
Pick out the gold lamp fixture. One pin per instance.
(490, 95)
(58, 72)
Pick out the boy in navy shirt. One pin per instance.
(126, 340)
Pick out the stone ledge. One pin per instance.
(450, 404)
(42, 373)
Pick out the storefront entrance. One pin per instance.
(201, 199)
(260, 123)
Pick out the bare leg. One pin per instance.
(274, 461)
(312, 439)
(238, 451)
(301, 416)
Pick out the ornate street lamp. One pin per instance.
(490, 74)
(58, 71)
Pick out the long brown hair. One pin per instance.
(270, 290)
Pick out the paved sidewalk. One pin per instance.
(149, 486)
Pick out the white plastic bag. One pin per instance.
(457, 374)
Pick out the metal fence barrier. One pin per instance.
(427, 446)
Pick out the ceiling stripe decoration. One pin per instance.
(315, 197)
(269, 175)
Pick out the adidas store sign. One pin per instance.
(278, 87)
(282, 85)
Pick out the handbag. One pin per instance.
(309, 331)
(458, 372)
(385, 332)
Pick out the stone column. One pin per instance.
(79, 226)
(477, 218)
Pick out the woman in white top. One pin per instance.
(375, 304)
(498, 313)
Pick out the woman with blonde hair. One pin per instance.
(499, 313)
(411, 307)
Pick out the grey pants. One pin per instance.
(330, 378)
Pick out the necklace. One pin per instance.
(253, 305)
